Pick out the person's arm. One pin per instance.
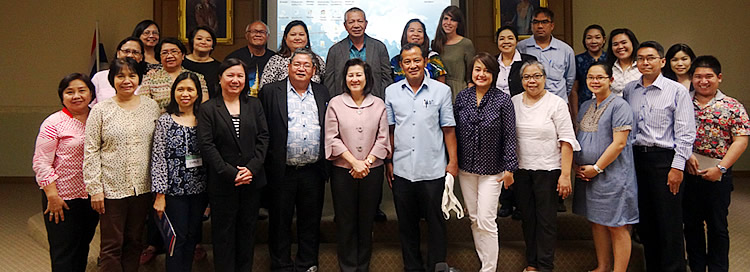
(334, 146)
(92, 160)
(570, 72)
(469, 53)
(262, 139)
(329, 75)
(44, 157)
(159, 168)
(568, 143)
(209, 150)
(382, 148)
(684, 135)
(738, 146)
(449, 136)
(389, 164)
(267, 76)
(563, 183)
(509, 158)
(619, 141)
(573, 101)
(204, 87)
(386, 74)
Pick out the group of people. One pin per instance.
(166, 132)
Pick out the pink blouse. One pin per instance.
(362, 130)
(58, 155)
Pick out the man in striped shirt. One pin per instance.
(664, 134)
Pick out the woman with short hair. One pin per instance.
(202, 42)
(157, 82)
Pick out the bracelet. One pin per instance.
(597, 169)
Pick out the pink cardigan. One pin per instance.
(362, 130)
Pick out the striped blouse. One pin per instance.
(58, 155)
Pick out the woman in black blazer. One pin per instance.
(234, 138)
(509, 81)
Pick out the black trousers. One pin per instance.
(355, 202)
(186, 215)
(413, 200)
(507, 198)
(234, 218)
(69, 240)
(536, 197)
(705, 209)
(660, 226)
(302, 188)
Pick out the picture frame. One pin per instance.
(507, 13)
(216, 14)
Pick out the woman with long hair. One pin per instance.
(456, 50)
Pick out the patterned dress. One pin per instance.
(610, 198)
(435, 67)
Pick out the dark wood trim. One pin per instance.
(17, 180)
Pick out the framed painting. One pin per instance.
(215, 14)
(517, 13)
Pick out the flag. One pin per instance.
(98, 54)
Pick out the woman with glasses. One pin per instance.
(545, 146)
(130, 47)
(148, 32)
(157, 83)
(295, 36)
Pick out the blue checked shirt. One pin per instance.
(664, 117)
(303, 136)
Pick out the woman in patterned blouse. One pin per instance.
(277, 68)
(115, 167)
(177, 173)
(58, 160)
(157, 82)
(486, 134)
(414, 32)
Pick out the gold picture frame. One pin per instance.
(216, 14)
(512, 15)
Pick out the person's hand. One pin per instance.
(692, 166)
(389, 173)
(55, 208)
(586, 172)
(506, 179)
(159, 204)
(452, 168)
(711, 174)
(360, 169)
(370, 160)
(97, 202)
(244, 176)
(563, 186)
(674, 179)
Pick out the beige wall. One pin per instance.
(710, 28)
(46, 40)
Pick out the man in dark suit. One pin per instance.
(357, 45)
(296, 167)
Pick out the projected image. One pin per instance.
(386, 20)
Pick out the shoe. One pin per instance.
(313, 268)
(199, 253)
(380, 216)
(516, 215)
(262, 214)
(148, 254)
(504, 212)
(561, 207)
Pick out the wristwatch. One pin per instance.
(722, 169)
(597, 169)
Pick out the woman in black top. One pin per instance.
(202, 42)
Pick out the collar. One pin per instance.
(290, 88)
(351, 44)
(516, 57)
(349, 101)
(553, 43)
(658, 82)
(718, 96)
(424, 85)
(617, 65)
(67, 112)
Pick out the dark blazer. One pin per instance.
(514, 78)
(273, 98)
(377, 58)
(222, 151)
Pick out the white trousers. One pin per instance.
(481, 193)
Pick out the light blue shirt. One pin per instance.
(559, 62)
(418, 145)
(303, 135)
(663, 115)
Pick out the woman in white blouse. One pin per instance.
(117, 153)
(546, 142)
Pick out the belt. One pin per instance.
(650, 149)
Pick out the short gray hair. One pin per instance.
(268, 31)
(530, 63)
(355, 9)
(309, 52)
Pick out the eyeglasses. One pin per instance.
(649, 59)
(306, 65)
(535, 77)
(173, 52)
(130, 52)
(257, 32)
(149, 33)
(596, 78)
(543, 22)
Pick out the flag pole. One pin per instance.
(97, 46)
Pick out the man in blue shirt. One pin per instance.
(420, 115)
(664, 134)
(557, 57)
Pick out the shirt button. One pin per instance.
(413, 124)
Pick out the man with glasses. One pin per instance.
(296, 168)
(357, 45)
(664, 134)
(255, 55)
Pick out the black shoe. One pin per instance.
(516, 215)
(505, 212)
(380, 216)
(262, 214)
(561, 207)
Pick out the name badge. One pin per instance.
(192, 161)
